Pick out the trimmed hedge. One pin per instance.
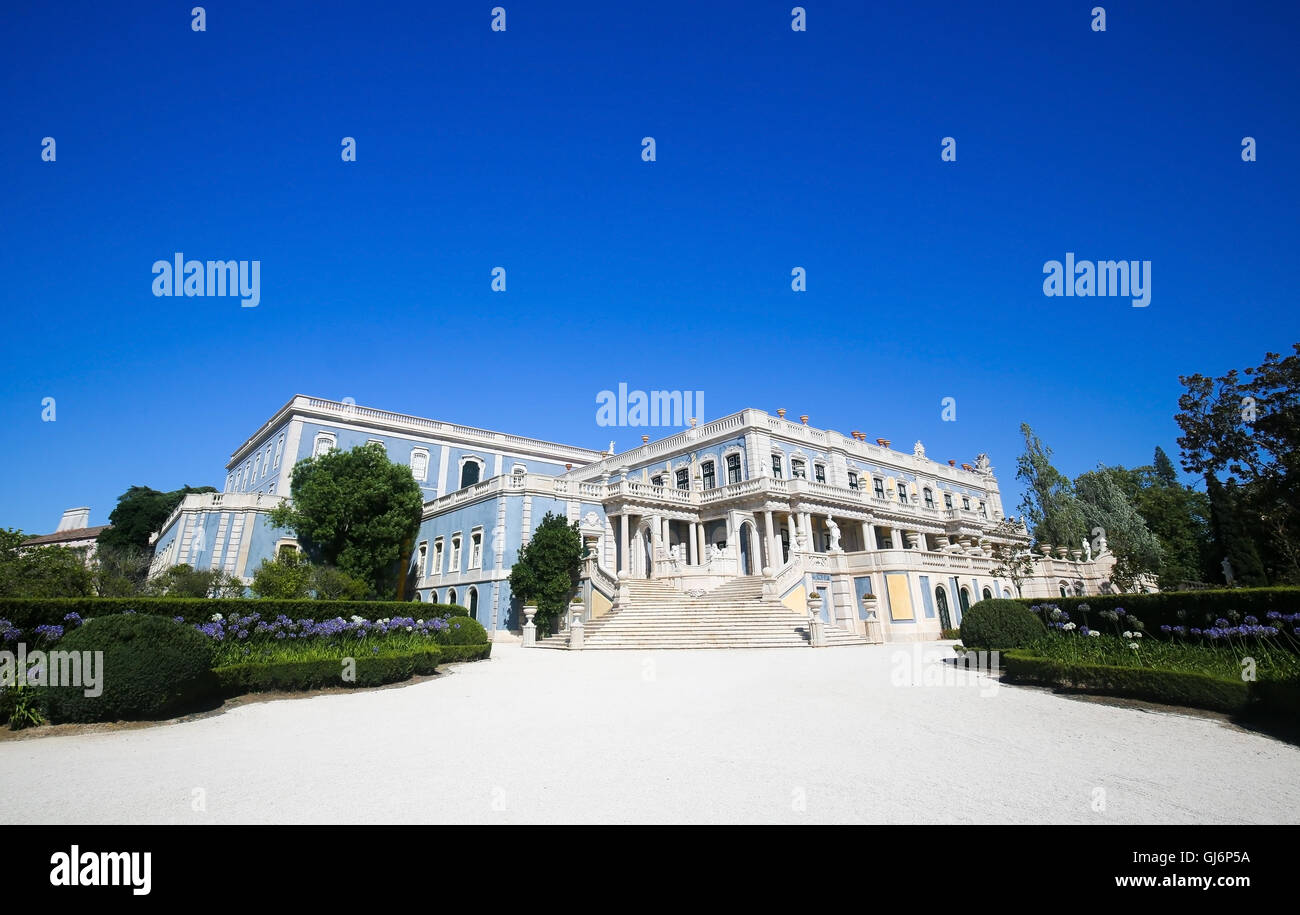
(462, 630)
(1000, 623)
(1171, 687)
(151, 668)
(371, 670)
(466, 652)
(28, 613)
(1200, 608)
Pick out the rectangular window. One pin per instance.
(965, 503)
(797, 470)
(878, 486)
(902, 493)
(929, 499)
(776, 466)
(983, 512)
(709, 479)
(476, 550)
(437, 557)
(733, 468)
(423, 558)
(853, 480)
(819, 473)
(455, 555)
(683, 479)
(947, 501)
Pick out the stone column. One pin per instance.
(868, 536)
(807, 525)
(626, 551)
(700, 532)
(773, 548)
(692, 546)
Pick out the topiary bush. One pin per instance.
(1000, 623)
(462, 630)
(152, 667)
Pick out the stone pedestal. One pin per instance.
(816, 634)
(576, 626)
(530, 628)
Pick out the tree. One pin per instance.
(329, 583)
(185, 581)
(1230, 536)
(286, 577)
(141, 511)
(356, 510)
(121, 571)
(1049, 503)
(1014, 562)
(1105, 506)
(1163, 469)
(546, 574)
(42, 571)
(1179, 517)
(1247, 425)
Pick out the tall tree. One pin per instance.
(1105, 506)
(42, 571)
(355, 510)
(1179, 516)
(546, 574)
(1163, 468)
(1049, 503)
(1230, 534)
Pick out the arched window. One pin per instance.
(279, 446)
(266, 463)
(941, 599)
(257, 465)
(472, 606)
(1065, 589)
(324, 443)
(471, 471)
(964, 598)
(988, 595)
(451, 595)
(475, 549)
(455, 554)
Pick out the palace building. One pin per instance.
(720, 534)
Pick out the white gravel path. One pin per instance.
(697, 736)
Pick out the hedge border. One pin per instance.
(452, 653)
(1172, 687)
(1161, 608)
(374, 670)
(27, 613)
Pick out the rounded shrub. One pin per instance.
(151, 668)
(1000, 623)
(462, 630)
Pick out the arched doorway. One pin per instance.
(451, 595)
(988, 595)
(746, 559)
(941, 599)
(964, 599)
(473, 602)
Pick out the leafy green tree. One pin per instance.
(1230, 535)
(355, 510)
(1179, 516)
(121, 571)
(548, 569)
(1105, 505)
(1247, 425)
(1163, 469)
(1049, 503)
(42, 571)
(286, 577)
(329, 583)
(140, 512)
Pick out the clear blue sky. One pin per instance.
(775, 149)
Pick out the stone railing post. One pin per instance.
(530, 628)
(816, 635)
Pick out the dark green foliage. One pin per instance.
(355, 510)
(1000, 623)
(152, 667)
(462, 630)
(950, 634)
(548, 568)
(43, 571)
(184, 581)
(1232, 537)
(1199, 608)
(1172, 687)
(1049, 504)
(27, 614)
(140, 512)
(371, 670)
(466, 652)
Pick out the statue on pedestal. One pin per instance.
(835, 534)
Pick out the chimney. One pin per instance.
(781, 412)
(804, 419)
(74, 519)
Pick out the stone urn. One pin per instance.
(1045, 549)
(1062, 552)
(1076, 555)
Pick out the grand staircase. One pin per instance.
(734, 615)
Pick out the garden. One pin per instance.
(1233, 651)
(97, 660)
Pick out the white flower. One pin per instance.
(419, 622)
(1133, 645)
(1137, 635)
(357, 619)
(216, 617)
(1128, 635)
(408, 628)
(1093, 632)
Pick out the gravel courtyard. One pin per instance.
(696, 736)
